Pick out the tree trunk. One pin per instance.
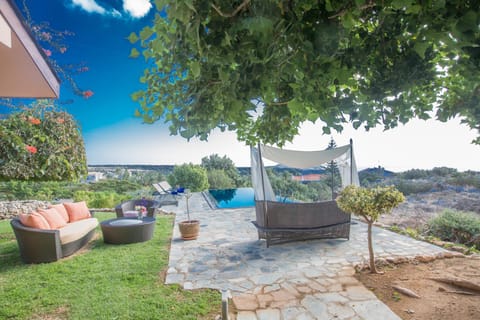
(373, 269)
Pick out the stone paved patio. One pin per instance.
(300, 280)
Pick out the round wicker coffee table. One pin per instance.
(127, 230)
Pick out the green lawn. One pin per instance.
(102, 282)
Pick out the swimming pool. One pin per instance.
(233, 198)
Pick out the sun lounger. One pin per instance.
(166, 194)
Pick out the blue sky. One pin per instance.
(113, 136)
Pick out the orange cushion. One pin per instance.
(53, 218)
(77, 210)
(61, 210)
(34, 220)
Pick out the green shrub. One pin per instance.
(414, 174)
(412, 187)
(101, 199)
(456, 226)
(468, 178)
(190, 176)
(114, 185)
(318, 191)
(218, 179)
(41, 190)
(443, 171)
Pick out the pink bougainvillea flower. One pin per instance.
(47, 52)
(87, 94)
(31, 149)
(34, 120)
(63, 50)
(46, 36)
(60, 120)
(82, 69)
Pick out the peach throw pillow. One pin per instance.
(34, 220)
(77, 210)
(61, 210)
(53, 218)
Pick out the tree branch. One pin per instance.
(234, 13)
(371, 4)
(283, 103)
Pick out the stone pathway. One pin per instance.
(299, 280)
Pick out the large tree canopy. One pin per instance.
(262, 68)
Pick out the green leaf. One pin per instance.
(420, 48)
(132, 38)
(328, 6)
(359, 3)
(137, 95)
(468, 22)
(195, 68)
(295, 106)
(146, 33)
(415, 9)
(326, 130)
(400, 4)
(223, 75)
(134, 53)
(189, 4)
(348, 21)
(257, 25)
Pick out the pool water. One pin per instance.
(237, 198)
(233, 198)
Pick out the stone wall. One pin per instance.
(9, 209)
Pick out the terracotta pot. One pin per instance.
(189, 229)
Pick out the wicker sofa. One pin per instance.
(279, 222)
(47, 245)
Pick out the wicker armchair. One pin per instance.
(151, 206)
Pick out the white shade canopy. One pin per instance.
(343, 157)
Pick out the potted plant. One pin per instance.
(189, 229)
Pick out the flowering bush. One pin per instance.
(41, 143)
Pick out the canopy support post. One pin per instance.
(265, 216)
(351, 161)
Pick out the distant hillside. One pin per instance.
(380, 171)
(162, 167)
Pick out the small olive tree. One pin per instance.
(369, 204)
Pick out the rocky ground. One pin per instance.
(419, 208)
(438, 301)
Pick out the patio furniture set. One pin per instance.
(61, 230)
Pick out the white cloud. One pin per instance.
(132, 8)
(137, 8)
(89, 6)
(115, 13)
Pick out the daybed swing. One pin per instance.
(279, 222)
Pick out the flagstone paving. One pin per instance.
(298, 280)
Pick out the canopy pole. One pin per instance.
(332, 174)
(265, 216)
(351, 161)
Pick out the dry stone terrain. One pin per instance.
(419, 208)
